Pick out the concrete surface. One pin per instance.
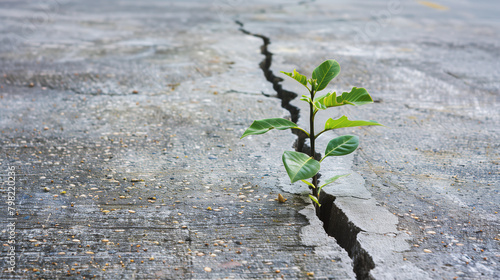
(121, 121)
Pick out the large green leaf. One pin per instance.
(263, 126)
(324, 73)
(357, 96)
(344, 122)
(300, 166)
(297, 76)
(341, 145)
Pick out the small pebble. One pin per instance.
(208, 269)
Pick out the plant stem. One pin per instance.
(312, 139)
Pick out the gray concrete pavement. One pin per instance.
(121, 121)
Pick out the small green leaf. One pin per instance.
(324, 73)
(263, 126)
(331, 100)
(357, 96)
(315, 200)
(306, 98)
(319, 98)
(342, 145)
(344, 122)
(299, 166)
(331, 180)
(298, 77)
(309, 184)
(318, 103)
(326, 101)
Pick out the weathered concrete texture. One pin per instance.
(433, 72)
(122, 121)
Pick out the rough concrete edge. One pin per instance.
(387, 252)
(352, 192)
(325, 245)
(379, 237)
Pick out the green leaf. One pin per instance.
(330, 100)
(313, 84)
(342, 145)
(357, 96)
(306, 98)
(315, 200)
(324, 73)
(331, 180)
(299, 166)
(344, 122)
(326, 101)
(319, 98)
(298, 77)
(263, 126)
(308, 183)
(318, 102)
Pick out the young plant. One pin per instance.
(301, 166)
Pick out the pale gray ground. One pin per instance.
(122, 120)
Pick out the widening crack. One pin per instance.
(337, 224)
(335, 221)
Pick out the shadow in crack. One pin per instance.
(337, 224)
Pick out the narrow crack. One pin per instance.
(335, 221)
(284, 95)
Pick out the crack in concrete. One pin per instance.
(335, 222)
(284, 95)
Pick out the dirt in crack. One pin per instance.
(335, 221)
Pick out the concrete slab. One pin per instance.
(121, 121)
(434, 163)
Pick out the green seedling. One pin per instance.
(301, 166)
